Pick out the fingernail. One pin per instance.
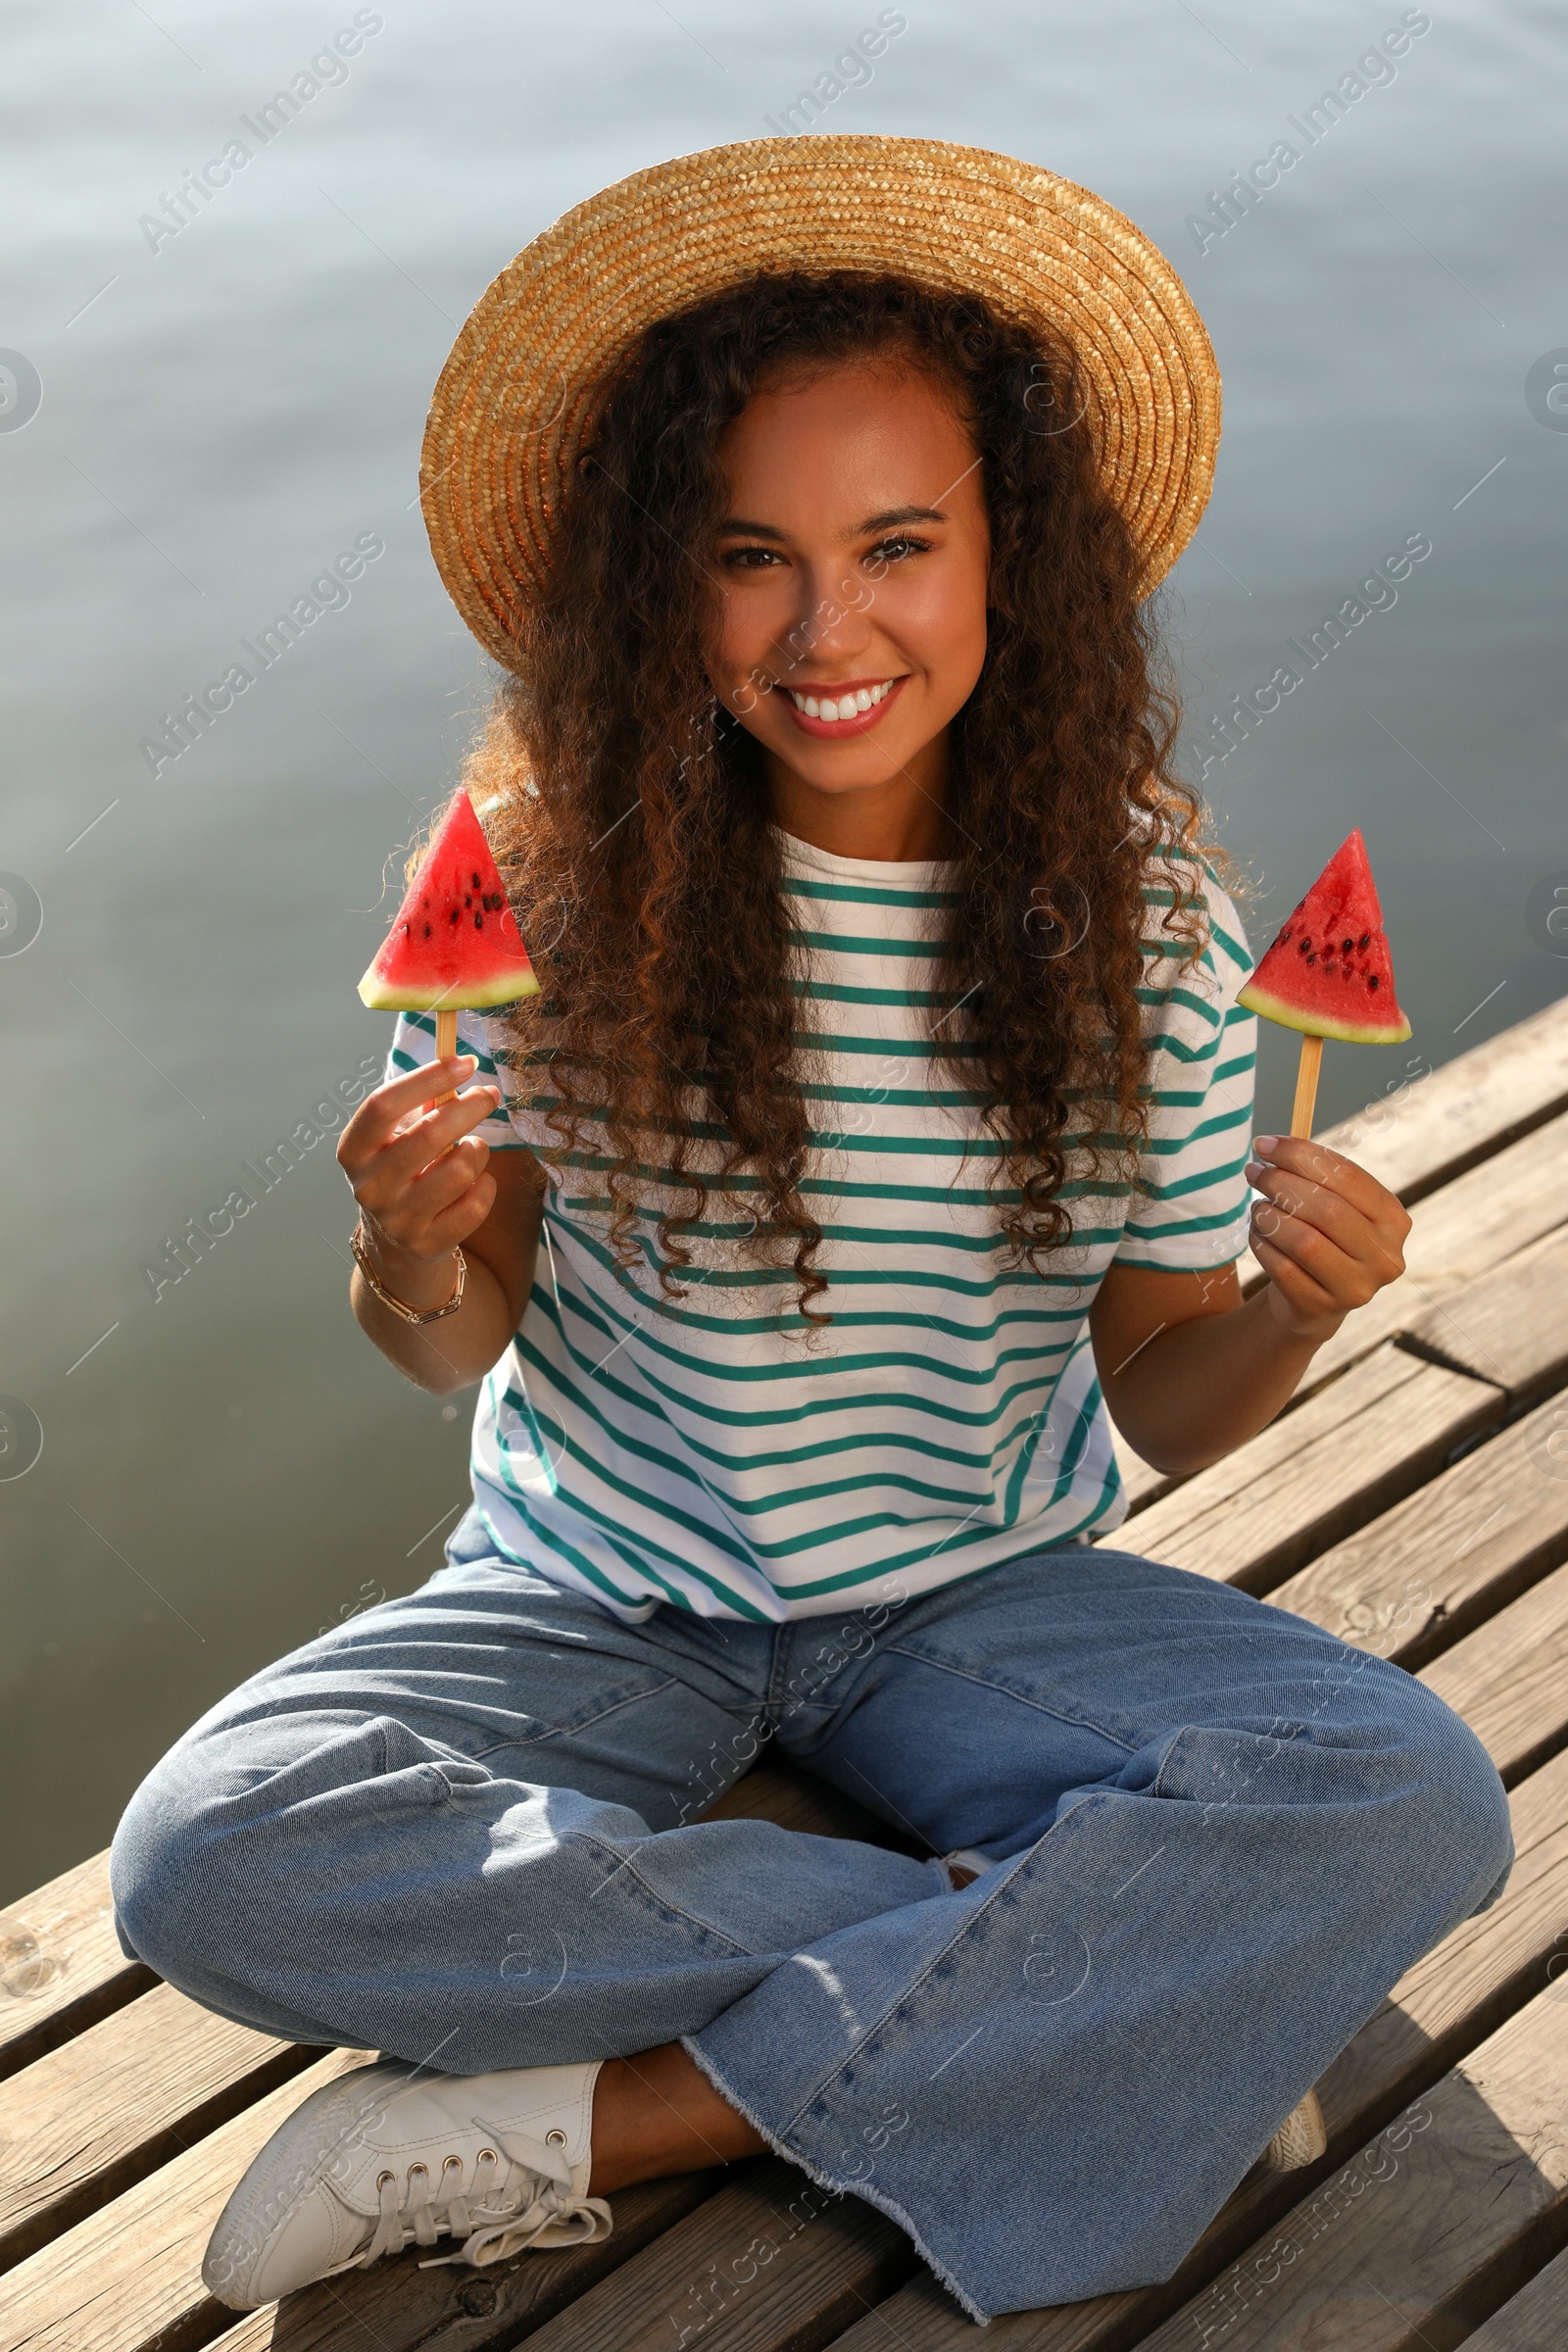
(1253, 1170)
(1264, 1144)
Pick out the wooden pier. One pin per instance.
(1414, 1500)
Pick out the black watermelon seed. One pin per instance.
(1311, 959)
(427, 930)
(1371, 979)
(478, 922)
(1306, 940)
(1364, 942)
(1346, 944)
(475, 881)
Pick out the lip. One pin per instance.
(840, 730)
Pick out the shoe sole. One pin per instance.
(1300, 2139)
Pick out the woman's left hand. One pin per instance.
(1328, 1236)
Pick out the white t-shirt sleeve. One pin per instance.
(414, 1045)
(1193, 1212)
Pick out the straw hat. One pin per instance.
(520, 393)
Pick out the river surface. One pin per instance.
(228, 1468)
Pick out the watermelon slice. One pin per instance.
(456, 942)
(1329, 972)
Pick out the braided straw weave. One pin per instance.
(518, 397)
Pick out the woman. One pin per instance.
(884, 1119)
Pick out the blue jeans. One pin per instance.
(459, 1829)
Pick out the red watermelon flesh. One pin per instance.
(1329, 972)
(455, 941)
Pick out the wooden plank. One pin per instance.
(1418, 1579)
(1535, 2319)
(1428, 1132)
(1466, 1986)
(1459, 1233)
(1510, 1326)
(61, 1965)
(1507, 1679)
(1426, 2230)
(398, 2307)
(1467, 1110)
(1459, 1993)
(1453, 1994)
(771, 2262)
(114, 2104)
(1475, 1222)
(129, 2275)
(1313, 1477)
(111, 2108)
(798, 1801)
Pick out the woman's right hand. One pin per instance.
(416, 1169)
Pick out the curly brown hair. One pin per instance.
(631, 812)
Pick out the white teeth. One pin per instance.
(847, 706)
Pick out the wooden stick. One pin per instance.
(446, 1044)
(1306, 1070)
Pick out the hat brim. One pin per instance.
(521, 391)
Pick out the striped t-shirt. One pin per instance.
(692, 1451)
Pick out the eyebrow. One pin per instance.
(738, 527)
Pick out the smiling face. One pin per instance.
(853, 559)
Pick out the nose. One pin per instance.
(832, 626)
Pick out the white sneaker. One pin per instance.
(386, 2158)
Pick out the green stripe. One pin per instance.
(941, 1367)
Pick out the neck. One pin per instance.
(902, 820)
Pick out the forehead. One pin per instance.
(883, 425)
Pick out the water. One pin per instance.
(231, 1467)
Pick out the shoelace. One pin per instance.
(485, 2212)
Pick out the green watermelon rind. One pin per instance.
(506, 988)
(1320, 1024)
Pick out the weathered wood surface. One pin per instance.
(1314, 1476)
(1508, 1678)
(1535, 2319)
(798, 1800)
(1413, 1582)
(1455, 1997)
(1458, 1234)
(1394, 1504)
(61, 1965)
(130, 2272)
(1465, 1986)
(1427, 1134)
(1428, 2227)
(398, 2307)
(771, 2261)
(105, 2109)
(1513, 1194)
(1511, 1325)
